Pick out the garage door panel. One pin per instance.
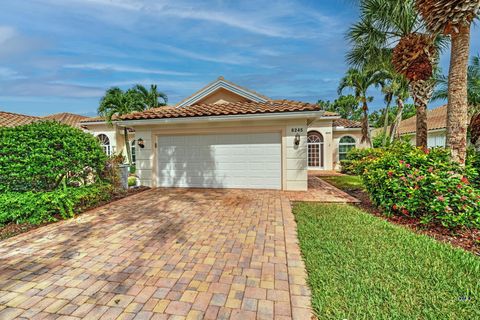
(220, 161)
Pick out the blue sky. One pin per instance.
(58, 55)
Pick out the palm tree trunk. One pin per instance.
(127, 145)
(365, 125)
(398, 119)
(457, 109)
(421, 92)
(422, 127)
(385, 122)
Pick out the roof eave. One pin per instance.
(242, 117)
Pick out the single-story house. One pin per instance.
(10, 119)
(436, 124)
(228, 136)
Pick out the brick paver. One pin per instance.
(161, 254)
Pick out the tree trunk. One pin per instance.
(365, 125)
(422, 127)
(421, 92)
(398, 119)
(127, 145)
(457, 109)
(385, 122)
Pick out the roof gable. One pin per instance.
(436, 119)
(237, 94)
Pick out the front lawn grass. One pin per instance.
(345, 182)
(362, 267)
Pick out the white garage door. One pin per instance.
(220, 161)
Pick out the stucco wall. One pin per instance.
(294, 158)
(221, 96)
(435, 139)
(114, 134)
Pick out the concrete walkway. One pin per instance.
(161, 254)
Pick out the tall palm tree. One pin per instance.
(382, 25)
(473, 97)
(153, 98)
(402, 92)
(116, 103)
(454, 18)
(360, 80)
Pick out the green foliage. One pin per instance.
(41, 156)
(346, 106)
(405, 180)
(132, 181)
(362, 267)
(39, 207)
(377, 117)
(358, 158)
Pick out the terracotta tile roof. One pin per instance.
(10, 119)
(436, 119)
(346, 123)
(67, 118)
(221, 109)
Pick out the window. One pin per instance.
(105, 144)
(346, 144)
(132, 150)
(315, 149)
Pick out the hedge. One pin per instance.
(43, 155)
(38, 207)
(405, 180)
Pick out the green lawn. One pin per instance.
(362, 267)
(345, 182)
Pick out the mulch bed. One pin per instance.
(468, 239)
(12, 229)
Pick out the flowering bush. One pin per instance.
(357, 159)
(408, 181)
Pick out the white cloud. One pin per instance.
(120, 68)
(9, 74)
(235, 59)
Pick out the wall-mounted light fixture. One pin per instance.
(141, 143)
(297, 140)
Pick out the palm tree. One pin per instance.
(360, 80)
(383, 25)
(402, 93)
(116, 103)
(454, 18)
(153, 98)
(473, 97)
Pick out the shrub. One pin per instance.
(38, 207)
(132, 181)
(408, 181)
(42, 155)
(357, 159)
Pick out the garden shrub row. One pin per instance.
(38, 207)
(405, 180)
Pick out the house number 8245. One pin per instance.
(295, 130)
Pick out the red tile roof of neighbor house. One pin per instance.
(221, 109)
(436, 119)
(10, 119)
(67, 118)
(346, 123)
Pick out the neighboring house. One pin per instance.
(436, 123)
(227, 136)
(9, 119)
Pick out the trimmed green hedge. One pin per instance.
(43, 155)
(38, 207)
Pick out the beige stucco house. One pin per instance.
(227, 136)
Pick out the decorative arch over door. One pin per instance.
(315, 150)
(105, 144)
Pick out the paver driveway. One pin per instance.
(162, 254)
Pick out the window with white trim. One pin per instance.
(132, 150)
(315, 149)
(346, 144)
(105, 144)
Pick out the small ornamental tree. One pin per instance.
(42, 155)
